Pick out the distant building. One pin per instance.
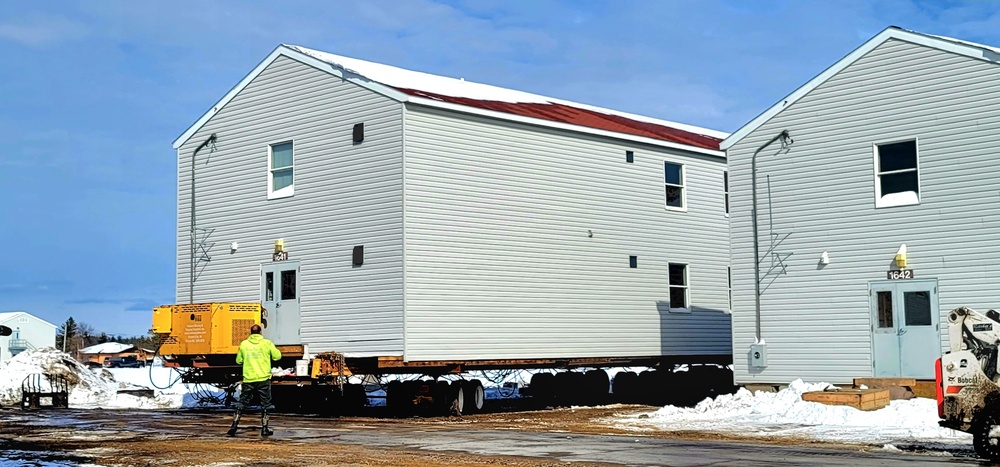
(30, 332)
(104, 354)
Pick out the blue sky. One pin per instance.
(93, 93)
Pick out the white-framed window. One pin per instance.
(725, 188)
(677, 280)
(897, 174)
(673, 181)
(280, 170)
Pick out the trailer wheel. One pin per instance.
(542, 388)
(598, 386)
(457, 401)
(475, 396)
(986, 434)
(624, 386)
(442, 398)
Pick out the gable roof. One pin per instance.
(9, 315)
(466, 96)
(970, 49)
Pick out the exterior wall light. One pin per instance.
(901, 256)
(824, 258)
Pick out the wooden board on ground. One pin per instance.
(885, 382)
(861, 399)
(926, 389)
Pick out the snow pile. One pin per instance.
(87, 388)
(784, 413)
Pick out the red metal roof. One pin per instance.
(576, 116)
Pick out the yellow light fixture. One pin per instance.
(901, 256)
(279, 245)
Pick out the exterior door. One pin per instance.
(906, 338)
(279, 295)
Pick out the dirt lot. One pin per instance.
(113, 438)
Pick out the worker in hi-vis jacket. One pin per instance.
(255, 354)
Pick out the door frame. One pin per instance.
(899, 317)
(295, 265)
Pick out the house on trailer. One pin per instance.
(876, 212)
(382, 212)
(28, 332)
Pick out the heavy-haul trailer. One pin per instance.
(201, 340)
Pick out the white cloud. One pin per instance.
(42, 32)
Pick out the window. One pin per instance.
(673, 177)
(917, 308)
(629, 156)
(633, 261)
(269, 287)
(280, 177)
(288, 287)
(677, 279)
(884, 301)
(725, 188)
(897, 182)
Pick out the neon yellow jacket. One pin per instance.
(255, 355)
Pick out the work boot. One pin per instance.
(264, 419)
(236, 423)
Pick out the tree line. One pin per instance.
(73, 336)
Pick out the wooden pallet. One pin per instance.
(861, 399)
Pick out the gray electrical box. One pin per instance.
(758, 355)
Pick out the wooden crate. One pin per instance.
(861, 399)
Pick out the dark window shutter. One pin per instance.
(359, 255)
(359, 132)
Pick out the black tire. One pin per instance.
(570, 388)
(442, 398)
(542, 389)
(624, 386)
(986, 434)
(354, 399)
(393, 398)
(475, 396)
(598, 387)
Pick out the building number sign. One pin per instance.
(280, 256)
(899, 274)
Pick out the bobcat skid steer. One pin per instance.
(968, 393)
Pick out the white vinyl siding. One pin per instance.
(346, 194)
(816, 321)
(516, 240)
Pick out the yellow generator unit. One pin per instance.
(204, 328)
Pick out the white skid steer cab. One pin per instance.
(967, 376)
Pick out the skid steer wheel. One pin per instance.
(986, 434)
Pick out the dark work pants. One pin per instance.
(259, 391)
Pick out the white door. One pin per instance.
(279, 295)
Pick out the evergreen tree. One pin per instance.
(67, 331)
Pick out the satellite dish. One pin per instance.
(5, 331)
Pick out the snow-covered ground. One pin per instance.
(784, 414)
(761, 414)
(96, 388)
